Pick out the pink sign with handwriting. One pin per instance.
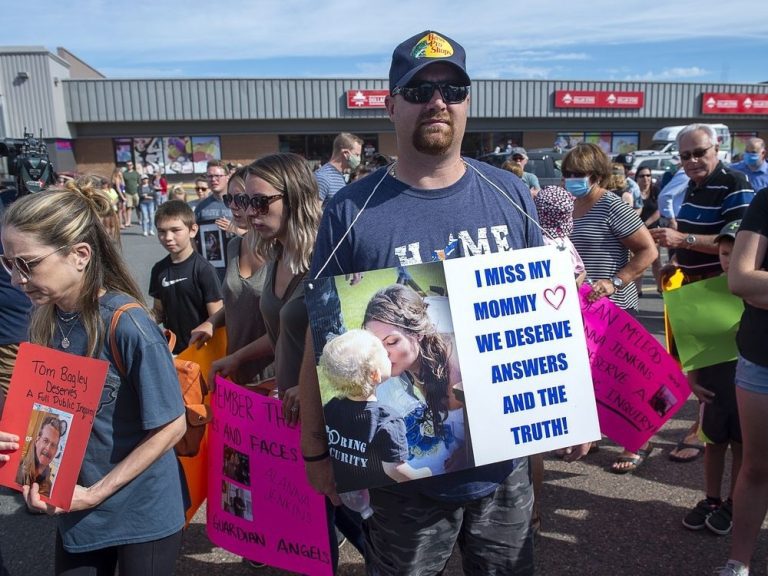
(638, 385)
(260, 504)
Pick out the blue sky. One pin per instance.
(678, 41)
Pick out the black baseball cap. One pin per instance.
(420, 51)
(728, 231)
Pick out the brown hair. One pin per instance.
(65, 216)
(401, 306)
(175, 209)
(587, 158)
(290, 175)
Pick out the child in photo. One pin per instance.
(715, 388)
(368, 443)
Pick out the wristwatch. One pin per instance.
(617, 282)
(690, 239)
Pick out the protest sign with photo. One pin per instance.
(260, 505)
(638, 385)
(488, 362)
(54, 396)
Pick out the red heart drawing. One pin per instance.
(555, 297)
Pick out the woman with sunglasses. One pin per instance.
(127, 508)
(283, 210)
(605, 230)
(242, 286)
(649, 214)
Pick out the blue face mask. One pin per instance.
(752, 158)
(578, 187)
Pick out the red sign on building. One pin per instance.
(598, 99)
(733, 103)
(366, 98)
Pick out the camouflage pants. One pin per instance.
(415, 537)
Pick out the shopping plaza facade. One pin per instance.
(91, 123)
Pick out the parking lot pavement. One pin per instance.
(594, 523)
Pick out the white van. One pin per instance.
(665, 140)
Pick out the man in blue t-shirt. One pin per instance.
(431, 205)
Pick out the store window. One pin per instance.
(739, 142)
(609, 142)
(317, 148)
(478, 143)
(169, 155)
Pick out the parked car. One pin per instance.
(544, 164)
(658, 163)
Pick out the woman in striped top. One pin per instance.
(605, 231)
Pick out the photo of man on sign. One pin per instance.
(44, 439)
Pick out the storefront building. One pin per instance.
(92, 123)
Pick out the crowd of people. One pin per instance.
(256, 249)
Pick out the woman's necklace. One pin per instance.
(66, 319)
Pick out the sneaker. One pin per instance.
(151, 232)
(721, 520)
(733, 568)
(144, 234)
(696, 519)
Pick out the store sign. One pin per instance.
(598, 99)
(366, 98)
(733, 103)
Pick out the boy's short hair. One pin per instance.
(349, 360)
(175, 209)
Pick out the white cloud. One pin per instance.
(502, 39)
(670, 74)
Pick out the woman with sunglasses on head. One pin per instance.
(605, 230)
(242, 286)
(127, 508)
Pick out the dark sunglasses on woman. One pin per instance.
(260, 203)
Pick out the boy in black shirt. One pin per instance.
(368, 444)
(715, 387)
(184, 285)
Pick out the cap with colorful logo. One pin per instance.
(420, 51)
(728, 231)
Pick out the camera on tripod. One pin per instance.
(28, 163)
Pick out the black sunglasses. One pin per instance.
(422, 93)
(574, 175)
(259, 203)
(698, 153)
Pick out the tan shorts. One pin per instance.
(131, 200)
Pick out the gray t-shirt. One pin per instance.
(242, 297)
(402, 226)
(148, 396)
(286, 321)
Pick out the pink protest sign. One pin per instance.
(638, 385)
(260, 504)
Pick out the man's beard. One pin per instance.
(433, 140)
